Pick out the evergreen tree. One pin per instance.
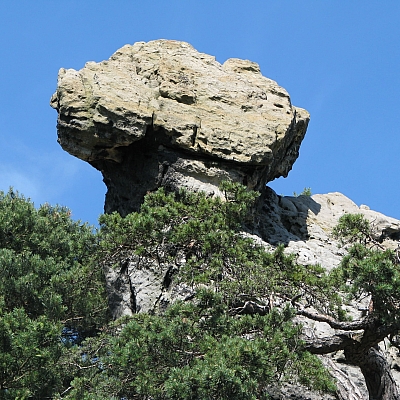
(367, 271)
(233, 339)
(50, 293)
(230, 341)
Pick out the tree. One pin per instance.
(50, 293)
(232, 338)
(253, 287)
(367, 270)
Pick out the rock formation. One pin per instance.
(163, 114)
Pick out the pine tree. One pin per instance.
(50, 292)
(233, 339)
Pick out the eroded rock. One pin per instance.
(161, 113)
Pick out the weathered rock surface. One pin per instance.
(304, 224)
(161, 113)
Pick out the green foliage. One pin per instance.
(196, 351)
(306, 192)
(205, 232)
(174, 218)
(352, 228)
(55, 338)
(29, 348)
(49, 287)
(368, 270)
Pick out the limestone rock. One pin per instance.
(161, 113)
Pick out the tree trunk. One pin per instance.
(378, 377)
(346, 388)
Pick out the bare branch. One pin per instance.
(66, 391)
(344, 326)
(72, 319)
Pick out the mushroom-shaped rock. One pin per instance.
(163, 114)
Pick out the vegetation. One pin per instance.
(368, 271)
(232, 339)
(50, 292)
(306, 192)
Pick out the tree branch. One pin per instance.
(329, 344)
(344, 326)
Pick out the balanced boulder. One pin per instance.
(163, 114)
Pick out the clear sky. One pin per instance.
(339, 59)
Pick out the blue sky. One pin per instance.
(339, 59)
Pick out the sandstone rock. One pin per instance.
(161, 113)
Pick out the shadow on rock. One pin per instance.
(283, 219)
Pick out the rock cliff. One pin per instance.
(163, 114)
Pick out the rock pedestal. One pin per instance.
(163, 114)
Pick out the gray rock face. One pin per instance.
(161, 113)
(143, 286)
